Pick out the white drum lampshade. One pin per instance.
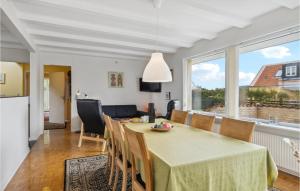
(157, 69)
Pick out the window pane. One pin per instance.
(208, 86)
(269, 82)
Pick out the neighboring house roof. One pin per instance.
(267, 76)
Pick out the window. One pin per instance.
(290, 70)
(208, 85)
(265, 94)
(266, 91)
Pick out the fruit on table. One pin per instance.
(163, 125)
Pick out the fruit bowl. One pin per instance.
(163, 127)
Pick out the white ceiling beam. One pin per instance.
(84, 38)
(207, 12)
(213, 14)
(291, 4)
(10, 20)
(105, 29)
(93, 48)
(89, 53)
(124, 16)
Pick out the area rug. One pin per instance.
(89, 174)
(51, 126)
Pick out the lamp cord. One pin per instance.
(157, 29)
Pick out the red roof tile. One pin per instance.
(266, 76)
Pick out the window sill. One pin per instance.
(280, 130)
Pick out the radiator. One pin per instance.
(280, 151)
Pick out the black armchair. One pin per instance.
(90, 113)
(171, 105)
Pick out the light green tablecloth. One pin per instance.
(187, 159)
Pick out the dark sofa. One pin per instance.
(122, 111)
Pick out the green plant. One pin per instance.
(273, 94)
(210, 98)
(261, 95)
(282, 96)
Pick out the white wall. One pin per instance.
(13, 85)
(36, 97)
(277, 20)
(13, 136)
(89, 75)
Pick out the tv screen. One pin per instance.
(150, 86)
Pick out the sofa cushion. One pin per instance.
(120, 111)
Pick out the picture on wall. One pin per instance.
(115, 79)
(2, 78)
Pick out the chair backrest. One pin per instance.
(179, 116)
(119, 139)
(237, 129)
(90, 113)
(204, 122)
(139, 150)
(170, 107)
(108, 125)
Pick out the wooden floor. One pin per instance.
(43, 169)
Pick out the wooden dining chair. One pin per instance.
(178, 116)
(111, 151)
(237, 129)
(204, 122)
(139, 151)
(121, 157)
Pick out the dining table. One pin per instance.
(191, 159)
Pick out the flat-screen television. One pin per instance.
(150, 86)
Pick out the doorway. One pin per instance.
(57, 97)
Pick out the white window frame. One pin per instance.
(265, 43)
(291, 71)
(232, 68)
(187, 78)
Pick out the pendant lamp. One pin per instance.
(157, 69)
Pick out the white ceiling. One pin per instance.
(127, 29)
(8, 40)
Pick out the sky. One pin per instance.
(211, 74)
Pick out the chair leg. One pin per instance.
(112, 167)
(80, 141)
(103, 146)
(124, 181)
(108, 163)
(81, 134)
(116, 177)
(97, 136)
